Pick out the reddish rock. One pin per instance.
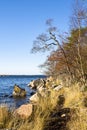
(24, 111)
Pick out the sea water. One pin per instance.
(7, 85)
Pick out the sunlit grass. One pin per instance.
(4, 115)
(78, 119)
(73, 96)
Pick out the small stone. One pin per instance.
(63, 115)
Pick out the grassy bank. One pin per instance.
(65, 109)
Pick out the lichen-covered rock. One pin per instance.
(19, 92)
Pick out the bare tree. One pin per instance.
(47, 41)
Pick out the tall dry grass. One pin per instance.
(74, 99)
(73, 96)
(4, 116)
(41, 113)
(78, 119)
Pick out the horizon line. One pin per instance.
(20, 74)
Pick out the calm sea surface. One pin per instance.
(6, 88)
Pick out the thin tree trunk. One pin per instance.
(57, 42)
(79, 53)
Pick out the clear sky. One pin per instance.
(20, 23)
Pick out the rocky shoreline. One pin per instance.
(41, 90)
(52, 106)
(58, 118)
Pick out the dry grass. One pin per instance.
(78, 119)
(42, 111)
(4, 116)
(74, 99)
(73, 96)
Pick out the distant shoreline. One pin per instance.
(23, 75)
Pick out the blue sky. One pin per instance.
(20, 23)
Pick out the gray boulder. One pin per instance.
(34, 98)
(41, 93)
(36, 84)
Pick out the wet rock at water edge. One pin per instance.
(18, 91)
